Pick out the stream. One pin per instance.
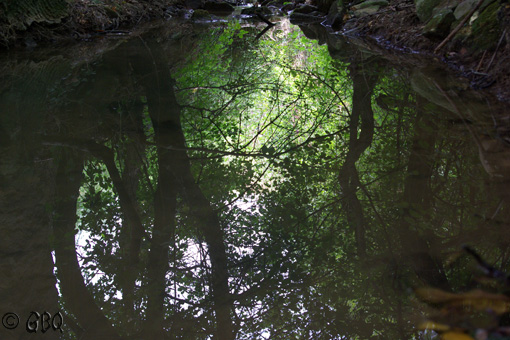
(206, 181)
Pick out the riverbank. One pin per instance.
(470, 36)
(479, 50)
(24, 24)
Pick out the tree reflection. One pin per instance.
(256, 189)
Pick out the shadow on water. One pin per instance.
(209, 184)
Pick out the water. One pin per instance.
(205, 181)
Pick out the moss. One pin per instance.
(485, 29)
(372, 3)
(424, 8)
(201, 14)
(439, 25)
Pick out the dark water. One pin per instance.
(198, 182)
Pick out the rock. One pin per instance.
(276, 3)
(504, 19)
(424, 81)
(256, 10)
(309, 32)
(359, 13)
(315, 32)
(424, 8)
(485, 29)
(193, 4)
(323, 5)
(439, 25)
(463, 8)
(300, 18)
(201, 14)
(368, 7)
(370, 3)
(340, 49)
(218, 7)
(336, 14)
(459, 41)
(445, 4)
(176, 12)
(306, 9)
(288, 7)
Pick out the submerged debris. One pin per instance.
(475, 314)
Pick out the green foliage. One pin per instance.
(267, 129)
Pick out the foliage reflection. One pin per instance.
(259, 188)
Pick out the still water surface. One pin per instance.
(199, 181)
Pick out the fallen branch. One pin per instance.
(459, 26)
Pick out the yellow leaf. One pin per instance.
(488, 281)
(439, 327)
(434, 295)
(483, 301)
(475, 299)
(455, 336)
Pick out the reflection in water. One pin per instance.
(267, 188)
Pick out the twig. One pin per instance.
(459, 26)
(481, 61)
(496, 51)
(480, 73)
(489, 270)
